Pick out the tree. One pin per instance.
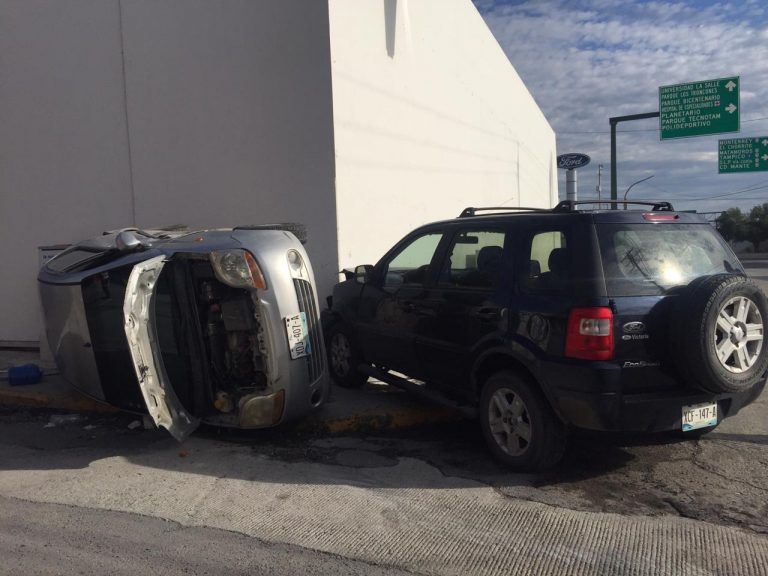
(732, 224)
(757, 225)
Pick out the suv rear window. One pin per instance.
(649, 259)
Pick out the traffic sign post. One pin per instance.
(614, 122)
(699, 108)
(743, 155)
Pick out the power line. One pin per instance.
(639, 129)
(747, 198)
(728, 194)
(718, 197)
(721, 199)
(752, 187)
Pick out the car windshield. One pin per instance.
(649, 259)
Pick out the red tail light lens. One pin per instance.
(590, 334)
(653, 217)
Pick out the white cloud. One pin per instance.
(587, 60)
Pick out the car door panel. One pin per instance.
(457, 316)
(391, 306)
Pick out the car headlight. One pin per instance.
(238, 268)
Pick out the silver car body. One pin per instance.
(279, 328)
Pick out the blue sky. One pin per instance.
(587, 60)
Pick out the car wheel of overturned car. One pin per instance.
(719, 331)
(519, 426)
(344, 358)
(298, 230)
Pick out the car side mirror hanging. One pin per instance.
(363, 274)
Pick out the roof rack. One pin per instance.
(570, 205)
(468, 212)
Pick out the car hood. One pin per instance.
(138, 311)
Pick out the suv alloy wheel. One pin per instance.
(721, 333)
(343, 358)
(518, 425)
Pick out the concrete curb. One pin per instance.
(374, 406)
(68, 400)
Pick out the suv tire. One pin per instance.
(298, 230)
(344, 358)
(520, 428)
(720, 334)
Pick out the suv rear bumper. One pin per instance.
(647, 412)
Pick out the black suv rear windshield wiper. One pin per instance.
(630, 256)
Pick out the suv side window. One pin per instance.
(475, 260)
(549, 263)
(410, 266)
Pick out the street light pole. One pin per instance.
(614, 121)
(630, 188)
(599, 185)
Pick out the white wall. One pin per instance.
(230, 114)
(228, 117)
(429, 117)
(64, 170)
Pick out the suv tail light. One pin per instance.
(651, 217)
(590, 334)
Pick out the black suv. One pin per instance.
(540, 320)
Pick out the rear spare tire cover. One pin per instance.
(719, 333)
(298, 230)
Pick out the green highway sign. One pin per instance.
(699, 108)
(743, 155)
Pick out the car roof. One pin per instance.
(653, 212)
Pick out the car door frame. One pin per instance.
(391, 344)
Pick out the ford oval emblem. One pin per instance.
(573, 160)
(634, 328)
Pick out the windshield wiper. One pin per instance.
(630, 256)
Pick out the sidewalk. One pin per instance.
(372, 407)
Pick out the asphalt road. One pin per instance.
(51, 539)
(757, 268)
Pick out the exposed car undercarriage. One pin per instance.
(212, 343)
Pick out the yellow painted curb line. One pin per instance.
(12, 397)
(353, 423)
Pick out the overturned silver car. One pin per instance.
(219, 326)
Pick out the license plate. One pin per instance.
(699, 416)
(298, 335)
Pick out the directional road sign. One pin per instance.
(699, 108)
(743, 155)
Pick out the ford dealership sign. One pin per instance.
(571, 161)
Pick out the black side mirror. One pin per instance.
(363, 274)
